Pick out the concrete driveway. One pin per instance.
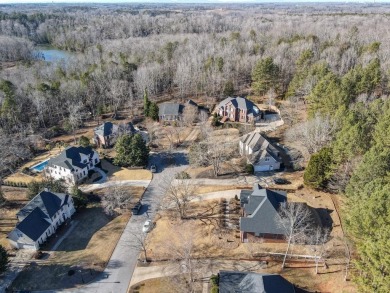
(117, 275)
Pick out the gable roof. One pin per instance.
(248, 282)
(243, 104)
(261, 147)
(170, 109)
(261, 208)
(108, 128)
(71, 157)
(35, 224)
(48, 202)
(104, 129)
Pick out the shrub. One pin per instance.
(249, 169)
(318, 170)
(183, 175)
(84, 141)
(3, 259)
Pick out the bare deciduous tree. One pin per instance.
(190, 115)
(317, 240)
(178, 194)
(182, 252)
(295, 219)
(116, 198)
(315, 133)
(75, 117)
(138, 242)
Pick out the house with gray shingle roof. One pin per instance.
(168, 112)
(107, 133)
(259, 152)
(260, 211)
(72, 164)
(249, 282)
(40, 218)
(239, 109)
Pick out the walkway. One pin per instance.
(95, 186)
(228, 194)
(102, 173)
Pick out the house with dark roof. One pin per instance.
(239, 110)
(259, 215)
(259, 152)
(72, 164)
(168, 112)
(107, 133)
(174, 112)
(40, 218)
(248, 282)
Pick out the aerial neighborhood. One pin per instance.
(182, 147)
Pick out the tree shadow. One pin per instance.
(89, 220)
(38, 277)
(325, 216)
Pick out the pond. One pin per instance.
(51, 54)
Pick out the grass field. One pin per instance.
(115, 173)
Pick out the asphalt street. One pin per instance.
(117, 275)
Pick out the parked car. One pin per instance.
(135, 210)
(147, 226)
(281, 181)
(153, 168)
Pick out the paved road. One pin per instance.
(116, 277)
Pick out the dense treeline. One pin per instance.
(337, 63)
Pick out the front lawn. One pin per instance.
(84, 253)
(116, 173)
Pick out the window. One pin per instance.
(266, 159)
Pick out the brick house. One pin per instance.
(239, 110)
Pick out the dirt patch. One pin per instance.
(85, 252)
(16, 198)
(214, 188)
(212, 239)
(135, 191)
(23, 178)
(158, 285)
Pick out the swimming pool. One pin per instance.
(39, 167)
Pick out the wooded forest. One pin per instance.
(333, 57)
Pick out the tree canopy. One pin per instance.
(131, 151)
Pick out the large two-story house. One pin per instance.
(72, 164)
(40, 218)
(107, 133)
(259, 215)
(259, 152)
(238, 110)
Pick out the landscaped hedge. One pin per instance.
(14, 184)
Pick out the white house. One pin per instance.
(260, 152)
(72, 165)
(40, 218)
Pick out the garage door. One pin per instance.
(260, 168)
